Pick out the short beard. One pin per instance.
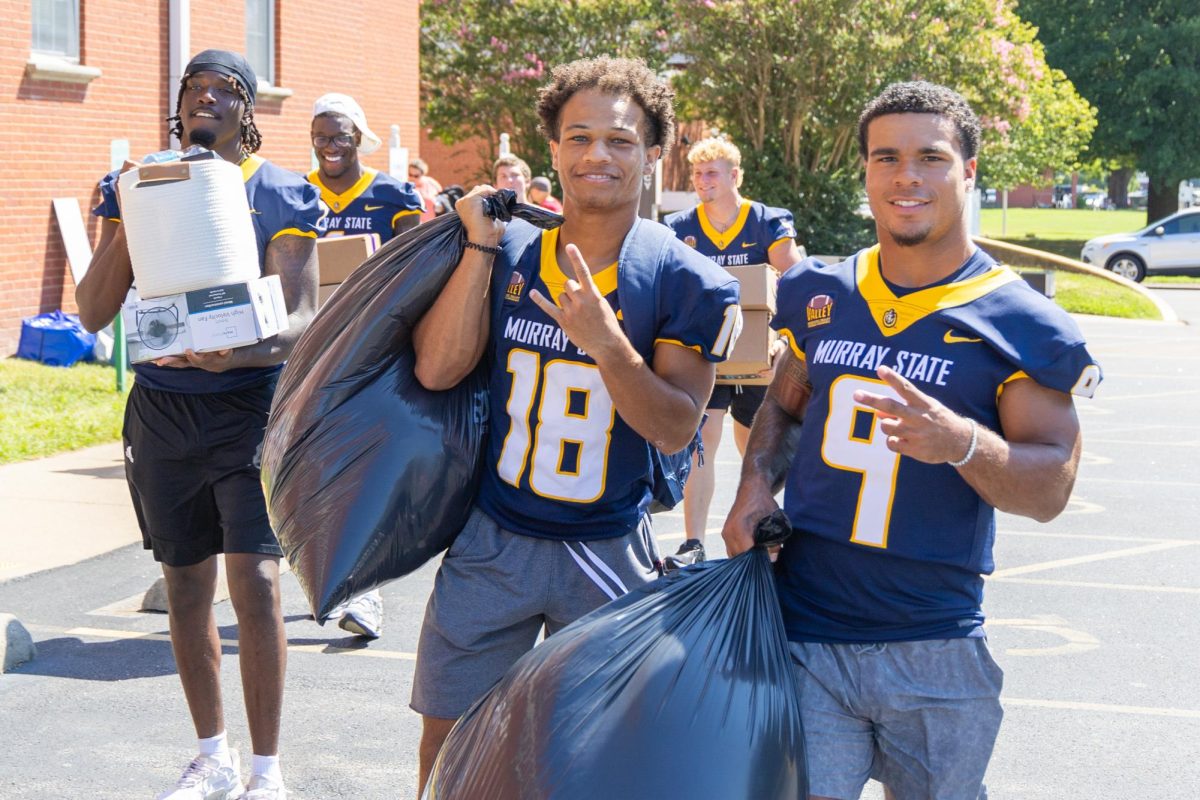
(203, 137)
(911, 239)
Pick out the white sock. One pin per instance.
(268, 767)
(216, 747)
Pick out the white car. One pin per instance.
(1170, 245)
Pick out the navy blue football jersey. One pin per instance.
(281, 204)
(371, 205)
(888, 548)
(757, 230)
(561, 463)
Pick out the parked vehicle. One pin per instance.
(1171, 244)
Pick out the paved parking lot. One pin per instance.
(1092, 616)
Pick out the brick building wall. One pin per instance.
(56, 136)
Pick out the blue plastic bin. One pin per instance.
(56, 339)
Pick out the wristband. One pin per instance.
(484, 248)
(970, 448)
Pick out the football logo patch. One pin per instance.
(516, 285)
(819, 310)
(889, 318)
(690, 241)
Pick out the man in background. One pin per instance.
(539, 195)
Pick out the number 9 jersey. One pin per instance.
(561, 463)
(888, 548)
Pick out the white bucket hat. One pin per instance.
(335, 103)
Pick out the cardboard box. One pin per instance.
(758, 286)
(751, 352)
(218, 318)
(338, 256)
(324, 292)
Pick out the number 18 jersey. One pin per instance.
(887, 548)
(561, 463)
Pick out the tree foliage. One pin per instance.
(482, 61)
(1138, 62)
(790, 92)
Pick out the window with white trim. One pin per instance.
(260, 38)
(56, 29)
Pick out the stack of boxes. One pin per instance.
(751, 353)
(338, 256)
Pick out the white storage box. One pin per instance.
(188, 226)
(203, 320)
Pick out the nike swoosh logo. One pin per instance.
(372, 208)
(255, 211)
(751, 244)
(952, 338)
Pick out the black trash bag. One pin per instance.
(682, 688)
(367, 474)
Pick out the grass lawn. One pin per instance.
(1085, 294)
(1059, 224)
(46, 410)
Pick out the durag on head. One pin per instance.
(223, 62)
(344, 104)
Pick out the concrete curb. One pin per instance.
(16, 645)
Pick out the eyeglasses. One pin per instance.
(341, 140)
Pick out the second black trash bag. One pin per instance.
(682, 688)
(367, 474)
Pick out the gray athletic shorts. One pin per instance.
(920, 717)
(494, 593)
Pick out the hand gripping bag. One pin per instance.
(368, 474)
(682, 688)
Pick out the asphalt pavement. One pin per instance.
(1092, 616)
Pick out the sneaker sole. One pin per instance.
(352, 625)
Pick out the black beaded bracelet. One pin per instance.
(484, 248)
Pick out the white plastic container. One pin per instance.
(188, 226)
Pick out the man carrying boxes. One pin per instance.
(755, 243)
(366, 208)
(193, 426)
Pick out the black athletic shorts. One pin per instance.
(743, 401)
(192, 464)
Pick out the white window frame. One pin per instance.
(59, 64)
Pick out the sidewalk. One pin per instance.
(63, 509)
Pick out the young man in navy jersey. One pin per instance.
(934, 386)
(193, 427)
(732, 231)
(358, 200)
(586, 377)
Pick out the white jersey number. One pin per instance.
(571, 436)
(854, 442)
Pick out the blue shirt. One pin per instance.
(887, 548)
(561, 463)
(371, 205)
(281, 204)
(757, 230)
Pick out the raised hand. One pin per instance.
(916, 424)
(582, 312)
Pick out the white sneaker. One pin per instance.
(206, 778)
(263, 788)
(363, 615)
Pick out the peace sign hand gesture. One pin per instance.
(582, 312)
(916, 424)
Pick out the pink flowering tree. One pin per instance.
(482, 61)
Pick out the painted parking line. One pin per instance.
(1070, 562)
(1104, 708)
(1117, 587)
(323, 648)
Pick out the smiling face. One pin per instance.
(917, 180)
(511, 177)
(335, 141)
(601, 153)
(210, 110)
(714, 181)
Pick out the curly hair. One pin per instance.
(716, 148)
(251, 139)
(922, 97)
(618, 76)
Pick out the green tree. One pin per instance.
(1138, 62)
(786, 79)
(482, 61)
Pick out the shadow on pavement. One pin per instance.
(122, 660)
